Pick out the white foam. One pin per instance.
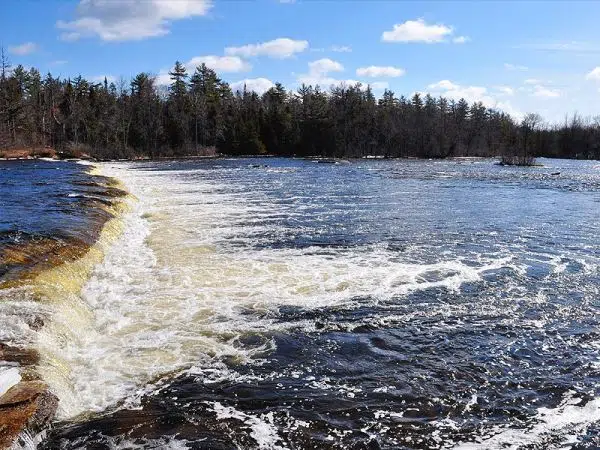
(263, 431)
(8, 378)
(176, 291)
(564, 423)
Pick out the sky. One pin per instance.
(516, 56)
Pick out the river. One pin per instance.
(289, 304)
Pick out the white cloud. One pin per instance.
(219, 63)
(318, 75)
(163, 79)
(444, 84)
(59, 62)
(23, 49)
(258, 85)
(532, 81)
(124, 20)
(340, 48)
(541, 91)
(505, 90)
(417, 31)
(312, 80)
(509, 109)
(594, 74)
(472, 94)
(380, 85)
(509, 66)
(280, 48)
(380, 71)
(323, 66)
(461, 39)
(454, 91)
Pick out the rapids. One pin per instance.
(281, 303)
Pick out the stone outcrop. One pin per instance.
(27, 406)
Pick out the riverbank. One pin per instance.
(28, 153)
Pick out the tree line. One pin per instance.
(199, 114)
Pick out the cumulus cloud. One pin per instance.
(258, 85)
(163, 79)
(509, 109)
(544, 92)
(380, 71)
(418, 31)
(319, 75)
(471, 94)
(594, 74)
(222, 64)
(444, 84)
(324, 66)
(23, 49)
(125, 20)
(505, 90)
(280, 48)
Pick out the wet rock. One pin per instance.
(27, 406)
(35, 322)
(22, 356)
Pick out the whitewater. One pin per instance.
(290, 304)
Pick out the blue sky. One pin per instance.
(518, 56)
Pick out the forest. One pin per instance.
(199, 114)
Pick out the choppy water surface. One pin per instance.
(375, 304)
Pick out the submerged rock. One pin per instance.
(27, 406)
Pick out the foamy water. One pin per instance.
(424, 305)
(171, 293)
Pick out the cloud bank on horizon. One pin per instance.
(386, 45)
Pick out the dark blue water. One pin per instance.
(41, 198)
(46, 206)
(452, 304)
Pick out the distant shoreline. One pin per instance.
(48, 153)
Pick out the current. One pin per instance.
(270, 303)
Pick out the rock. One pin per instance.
(22, 356)
(26, 406)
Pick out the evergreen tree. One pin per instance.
(201, 115)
